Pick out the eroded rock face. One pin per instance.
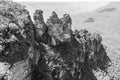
(67, 22)
(59, 30)
(39, 22)
(46, 51)
(75, 60)
(16, 37)
(55, 28)
(71, 57)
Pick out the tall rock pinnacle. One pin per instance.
(55, 28)
(67, 22)
(39, 22)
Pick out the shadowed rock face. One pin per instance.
(59, 29)
(74, 58)
(16, 37)
(46, 51)
(67, 22)
(55, 28)
(39, 22)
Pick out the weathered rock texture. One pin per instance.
(46, 50)
(16, 38)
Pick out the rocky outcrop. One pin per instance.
(67, 23)
(55, 28)
(59, 29)
(39, 22)
(16, 38)
(46, 50)
(70, 55)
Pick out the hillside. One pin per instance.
(105, 21)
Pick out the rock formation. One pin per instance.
(46, 51)
(59, 29)
(39, 22)
(55, 28)
(16, 38)
(67, 22)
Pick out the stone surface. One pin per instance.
(39, 22)
(46, 51)
(16, 37)
(55, 28)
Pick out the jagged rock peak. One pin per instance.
(66, 19)
(53, 19)
(54, 14)
(67, 23)
(39, 23)
(58, 29)
(38, 15)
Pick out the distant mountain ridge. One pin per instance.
(105, 19)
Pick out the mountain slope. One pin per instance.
(105, 21)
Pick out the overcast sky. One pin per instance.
(72, 8)
(60, 0)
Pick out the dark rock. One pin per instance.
(16, 37)
(73, 57)
(59, 29)
(67, 23)
(39, 22)
(55, 28)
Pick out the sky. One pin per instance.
(72, 8)
(60, 0)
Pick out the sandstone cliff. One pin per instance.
(46, 50)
